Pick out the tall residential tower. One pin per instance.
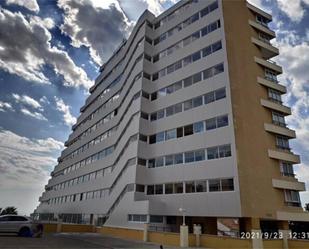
(187, 113)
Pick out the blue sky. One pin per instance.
(50, 53)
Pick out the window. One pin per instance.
(187, 82)
(227, 184)
(187, 41)
(222, 121)
(155, 76)
(159, 189)
(188, 130)
(159, 162)
(169, 160)
(152, 139)
(196, 56)
(190, 187)
(204, 31)
(137, 218)
(178, 158)
(180, 132)
(216, 46)
(287, 169)
(178, 65)
(178, 108)
(214, 185)
(169, 188)
(198, 127)
(197, 77)
(213, 6)
(150, 189)
(140, 188)
(187, 105)
(262, 20)
(162, 73)
(170, 69)
(278, 119)
(220, 93)
(199, 155)
(274, 95)
(170, 134)
(204, 12)
(162, 92)
(207, 73)
(151, 163)
(169, 111)
(153, 116)
(211, 124)
(170, 89)
(270, 75)
(178, 188)
(209, 97)
(282, 142)
(195, 17)
(154, 96)
(143, 138)
(141, 161)
(201, 186)
(198, 101)
(218, 69)
(177, 86)
(212, 153)
(292, 196)
(225, 151)
(187, 60)
(156, 219)
(160, 114)
(160, 137)
(189, 157)
(196, 36)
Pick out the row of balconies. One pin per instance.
(287, 181)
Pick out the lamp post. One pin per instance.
(182, 210)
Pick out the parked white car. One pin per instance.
(21, 225)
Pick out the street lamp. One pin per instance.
(182, 210)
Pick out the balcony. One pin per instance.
(267, 50)
(271, 84)
(259, 11)
(262, 28)
(268, 64)
(295, 216)
(275, 106)
(280, 130)
(284, 156)
(292, 185)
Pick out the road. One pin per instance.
(74, 241)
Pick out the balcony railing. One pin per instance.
(271, 79)
(280, 124)
(284, 148)
(288, 174)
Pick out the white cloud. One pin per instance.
(35, 115)
(68, 118)
(98, 25)
(24, 99)
(5, 106)
(294, 58)
(31, 50)
(24, 168)
(293, 9)
(29, 4)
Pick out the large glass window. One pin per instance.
(201, 186)
(214, 185)
(199, 155)
(171, 134)
(227, 184)
(189, 157)
(159, 189)
(212, 153)
(179, 158)
(198, 127)
(190, 187)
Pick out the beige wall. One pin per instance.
(255, 168)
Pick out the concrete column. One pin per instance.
(59, 225)
(257, 241)
(285, 237)
(184, 236)
(145, 234)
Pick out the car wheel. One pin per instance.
(24, 232)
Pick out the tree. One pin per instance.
(307, 207)
(8, 210)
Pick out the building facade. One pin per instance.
(187, 113)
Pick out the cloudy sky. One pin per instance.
(50, 53)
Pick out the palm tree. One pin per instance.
(8, 210)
